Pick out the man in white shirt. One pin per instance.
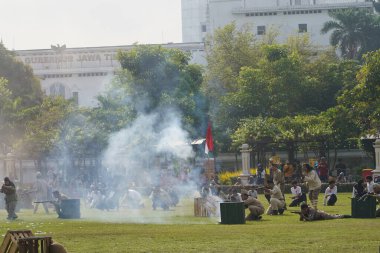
(370, 184)
(297, 195)
(331, 194)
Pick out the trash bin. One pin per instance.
(364, 207)
(232, 213)
(70, 209)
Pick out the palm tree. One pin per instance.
(350, 30)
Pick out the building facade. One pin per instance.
(288, 17)
(84, 73)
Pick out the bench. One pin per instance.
(23, 241)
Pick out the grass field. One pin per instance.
(179, 231)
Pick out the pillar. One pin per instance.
(376, 172)
(246, 162)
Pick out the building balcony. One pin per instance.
(320, 6)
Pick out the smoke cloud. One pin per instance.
(138, 146)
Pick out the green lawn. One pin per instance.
(179, 231)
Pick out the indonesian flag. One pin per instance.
(209, 146)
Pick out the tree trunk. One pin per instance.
(291, 148)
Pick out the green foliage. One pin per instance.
(8, 114)
(363, 101)
(288, 129)
(284, 83)
(263, 95)
(275, 52)
(44, 124)
(155, 78)
(354, 31)
(228, 50)
(21, 81)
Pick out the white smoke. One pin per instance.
(138, 145)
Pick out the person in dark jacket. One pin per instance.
(9, 189)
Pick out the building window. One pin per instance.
(76, 97)
(57, 89)
(260, 30)
(297, 2)
(204, 28)
(302, 28)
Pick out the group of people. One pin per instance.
(274, 193)
(42, 196)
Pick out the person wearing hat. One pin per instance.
(256, 209)
(9, 189)
(313, 183)
(277, 202)
(310, 214)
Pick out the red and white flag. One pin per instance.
(209, 146)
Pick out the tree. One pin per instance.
(8, 117)
(363, 101)
(227, 51)
(43, 127)
(283, 80)
(156, 78)
(21, 81)
(354, 31)
(263, 132)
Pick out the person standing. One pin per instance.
(288, 171)
(340, 167)
(279, 178)
(323, 169)
(256, 209)
(259, 174)
(41, 188)
(376, 191)
(9, 189)
(314, 184)
(370, 184)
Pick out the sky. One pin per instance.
(38, 24)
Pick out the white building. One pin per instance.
(84, 73)
(200, 17)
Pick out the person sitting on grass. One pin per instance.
(276, 201)
(359, 189)
(256, 209)
(310, 214)
(330, 194)
(297, 195)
